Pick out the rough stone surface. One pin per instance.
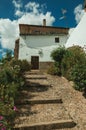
(74, 101)
(73, 106)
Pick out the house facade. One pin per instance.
(37, 42)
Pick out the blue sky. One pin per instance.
(7, 9)
(13, 12)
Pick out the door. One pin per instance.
(35, 62)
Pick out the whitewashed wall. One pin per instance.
(41, 46)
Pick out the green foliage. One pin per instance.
(57, 55)
(8, 57)
(67, 64)
(78, 75)
(78, 54)
(25, 66)
(71, 63)
(22, 65)
(6, 75)
(11, 82)
(4, 124)
(74, 55)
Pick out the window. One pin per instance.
(56, 39)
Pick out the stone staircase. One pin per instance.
(40, 107)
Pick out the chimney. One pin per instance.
(44, 22)
(85, 5)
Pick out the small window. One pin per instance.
(56, 39)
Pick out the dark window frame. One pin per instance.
(56, 39)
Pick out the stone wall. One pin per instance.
(16, 49)
(45, 65)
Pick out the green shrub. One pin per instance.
(71, 63)
(66, 64)
(23, 65)
(57, 55)
(8, 57)
(11, 82)
(74, 55)
(78, 75)
(78, 54)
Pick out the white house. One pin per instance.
(37, 42)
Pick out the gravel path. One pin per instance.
(74, 104)
(73, 100)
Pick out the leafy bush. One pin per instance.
(8, 57)
(74, 55)
(10, 76)
(4, 125)
(57, 55)
(22, 64)
(78, 53)
(25, 66)
(78, 75)
(11, 82)
(67, 64)
(71, 63)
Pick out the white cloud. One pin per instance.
(9, 30)
(33, 19)
(19, 13)
(63, 17)
(32, 6)
(78, 11)
(35, 14)
(18, 5)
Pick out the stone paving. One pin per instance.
(74, 101)
(42, 87)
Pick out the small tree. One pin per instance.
(57, 55)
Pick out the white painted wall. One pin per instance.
(42, 41)
(32, 45)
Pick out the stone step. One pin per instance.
(42, 116)
(60, 124)
(33, 72)
(41, 108)
(38, 95)
(37, 82)
(40, 77)
(43, 101)
(36, 77)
